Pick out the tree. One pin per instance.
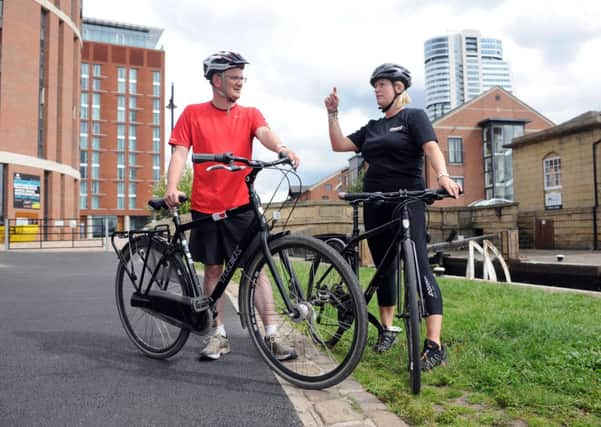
(185, 185)
(357, 186)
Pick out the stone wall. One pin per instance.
(573, 228)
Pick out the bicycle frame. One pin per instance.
(201, 302)
(392, 255)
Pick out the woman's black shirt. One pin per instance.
(393, 150)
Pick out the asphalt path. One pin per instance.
(65, 359)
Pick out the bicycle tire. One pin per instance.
(412, 315)
(153, 336)
(315, 276)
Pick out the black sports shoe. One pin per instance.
(386, 339)
(433, 355)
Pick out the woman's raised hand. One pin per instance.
(331, 101)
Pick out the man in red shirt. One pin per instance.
(218, 126)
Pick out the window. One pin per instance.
(83, 135)
(156, 83)
(132, 138)
(120, 195)
(132, 195)
(96, 106)
(156, 112)
(84, 106)
(120, 137)
(327, 187)
(455, 146)
(121, 167)
(83, 195)
(552, 171)
(156, 167)
(83, 164)
(121, 80)
(95, 164)
(85, 76)
(120, 108)
(156, 140)
(133, 77)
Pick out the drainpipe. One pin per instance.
(596, 206)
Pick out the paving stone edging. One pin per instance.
(344, 405)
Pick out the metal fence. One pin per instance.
(51, 233)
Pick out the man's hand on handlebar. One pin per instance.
(172, 197)
(294, 159)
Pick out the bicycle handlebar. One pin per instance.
(428, 195)
(228, 158)
(158, 204)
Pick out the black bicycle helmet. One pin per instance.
(392, 72)
(221, 61)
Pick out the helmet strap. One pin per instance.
(230, 100)
(396, 95)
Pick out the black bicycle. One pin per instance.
(401, 252)
(160, 298)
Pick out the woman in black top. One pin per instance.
(394, 147)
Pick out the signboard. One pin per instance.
(26, 189)
(553, 200)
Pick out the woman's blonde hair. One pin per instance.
(403, 98)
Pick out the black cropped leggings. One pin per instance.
(374, 216)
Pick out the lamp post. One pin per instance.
(171, 106)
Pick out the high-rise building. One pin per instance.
(40, 48)
(459, 67)
(122, 121)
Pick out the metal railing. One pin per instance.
(50, 233)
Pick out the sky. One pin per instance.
(299, 50)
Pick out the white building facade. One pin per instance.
(459, 67)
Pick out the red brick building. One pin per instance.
(326, 189)
(472, 139)
(122, 121)
(40, 48)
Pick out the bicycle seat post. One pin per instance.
(355, 207)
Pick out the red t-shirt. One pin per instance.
(209, 130)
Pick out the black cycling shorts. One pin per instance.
(213, 242)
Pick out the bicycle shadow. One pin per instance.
(241, 371)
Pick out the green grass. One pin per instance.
(514, 354)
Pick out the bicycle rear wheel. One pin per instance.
(412, 315)
(153, 336)
(320, 286)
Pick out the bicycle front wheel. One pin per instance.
(153, 336)
(323, 292)
(412, 317)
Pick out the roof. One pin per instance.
(482, 95)
(583, 122)
(152, 34)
